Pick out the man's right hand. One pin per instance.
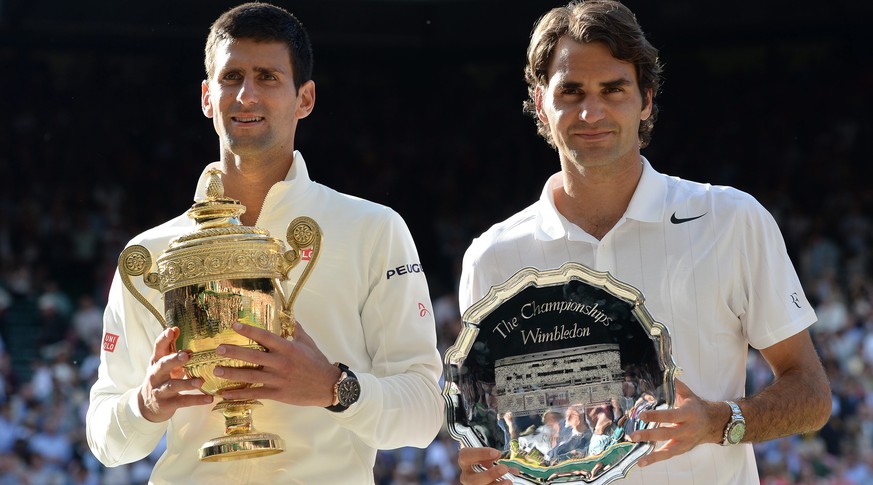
(467, 457)
(161, 393)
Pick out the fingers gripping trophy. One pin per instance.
(219, 274)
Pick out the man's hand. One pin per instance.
(291, 371)
(691, 422)
(161, 393)
(467, 457)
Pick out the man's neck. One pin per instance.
(595, 199)
(249, 180)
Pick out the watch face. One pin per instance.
(348, 392)
(736, 432)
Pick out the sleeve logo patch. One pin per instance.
(109, 341)
(405, 269)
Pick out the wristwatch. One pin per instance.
(736, 427)
(346, 391)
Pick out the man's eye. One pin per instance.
(268, 77)
(232, 76)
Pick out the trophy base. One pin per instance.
(241, 446)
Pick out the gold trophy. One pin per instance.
(219, 274)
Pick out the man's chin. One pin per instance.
(245, 146)
(592, 157)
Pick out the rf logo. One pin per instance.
(795, 299)
(422, 310)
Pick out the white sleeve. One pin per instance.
(477, 275)
(772, 302)
(116, 430)
(401, 402)
(467, 285)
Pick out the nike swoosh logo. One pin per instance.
(677, 220)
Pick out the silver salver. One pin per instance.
(552, 368)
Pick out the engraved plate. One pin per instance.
(552, 368)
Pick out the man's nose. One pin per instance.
(247, 92)
(591, 109)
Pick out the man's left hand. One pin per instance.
(291, 371)
(692, 421)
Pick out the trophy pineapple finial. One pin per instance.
(214, 186)
(217, 210)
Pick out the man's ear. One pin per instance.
(306, 99)
(647, 105)
(538, 101)
(206, 99)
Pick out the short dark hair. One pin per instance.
(262, 22)
(606, 21)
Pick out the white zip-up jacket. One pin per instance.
(366, 304)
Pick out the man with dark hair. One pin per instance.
(366, 304)
(710, 260)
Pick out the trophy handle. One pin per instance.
(135, 261)
(303, 233)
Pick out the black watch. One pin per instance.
(346, 391)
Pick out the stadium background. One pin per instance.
(419, 108)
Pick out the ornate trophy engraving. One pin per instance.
(219, 274)
(552, 368)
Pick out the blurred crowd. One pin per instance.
(83, 174)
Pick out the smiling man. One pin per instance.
(710, 260)
(365, 307)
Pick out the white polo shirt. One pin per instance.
(712, 266)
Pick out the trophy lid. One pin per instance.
(217, 210)
(221, 254)
(220, 247)
(217, 214)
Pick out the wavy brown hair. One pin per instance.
(606, 21)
